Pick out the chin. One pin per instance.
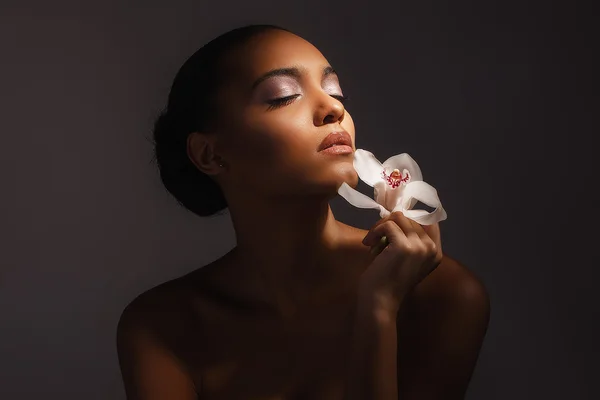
(328, 181)
(349, 176)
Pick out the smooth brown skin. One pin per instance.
(272, 319)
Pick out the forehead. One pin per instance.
(271, 50)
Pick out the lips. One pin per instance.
(339, 138)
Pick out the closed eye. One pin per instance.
(340, 97)
(284, 101)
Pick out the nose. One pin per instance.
(329, 110)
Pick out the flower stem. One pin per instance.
(378, 248)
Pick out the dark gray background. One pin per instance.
(493, 100)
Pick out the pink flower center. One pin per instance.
(395, 179)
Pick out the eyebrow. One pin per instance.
(290, 71)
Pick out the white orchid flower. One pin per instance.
(398, 185)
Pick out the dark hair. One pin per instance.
(191, 107)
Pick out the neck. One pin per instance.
(288, 248)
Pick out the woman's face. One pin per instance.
(271, 145)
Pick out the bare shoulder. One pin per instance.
(148, 307)
(162, 308)
(443, 325)
(152, 343)
(453, 284)
(163, 327)
(166, 310)
(146, 318)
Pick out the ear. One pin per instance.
(201, 149)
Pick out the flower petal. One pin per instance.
(358, 199)
(404, 161)
(425, 193)
(426, 218)
(379, 192)
(391, 196)
(367, 167)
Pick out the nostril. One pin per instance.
(330, 118)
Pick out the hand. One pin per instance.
(412, 252)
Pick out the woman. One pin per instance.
(300, 308)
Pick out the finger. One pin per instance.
(417, 236)
(410, 227)
(379, 222)
(430, 243)
(379, 246)
(369, 239)
(433, 231)
(415, 227)
(389, 229)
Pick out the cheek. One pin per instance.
(276, 137)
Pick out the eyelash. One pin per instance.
(284, 101)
